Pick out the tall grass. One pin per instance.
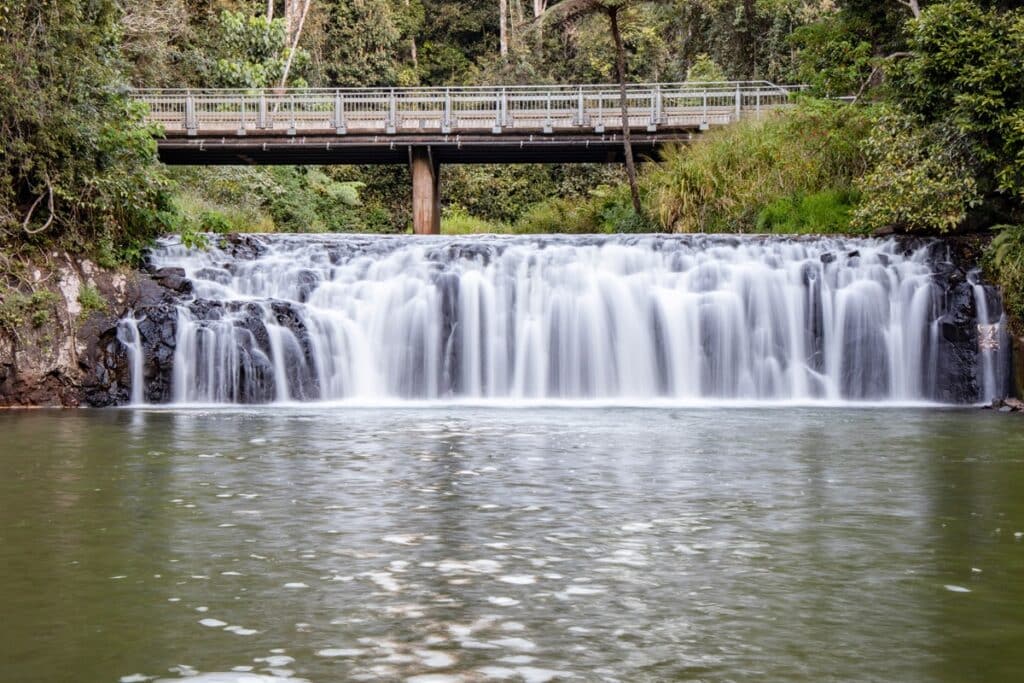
(558, 215)
(202, 214)
(828, 211)
(724, 180)
(457, 221)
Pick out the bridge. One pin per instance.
(427, 127)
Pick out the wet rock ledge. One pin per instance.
(1009, 405)
(58, 331)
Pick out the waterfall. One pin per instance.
(129, 336)
(343, 317)
(992, 341)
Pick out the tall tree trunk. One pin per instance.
(750, 42)
(503, 26)
(914, 6)
(294, 16)
(270, 10)
(539, 8)
(620, 64)
(413, 51)
(295, 41)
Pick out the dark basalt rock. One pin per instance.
(105, 364)
(306, 282)
(1008, 405)
(220, 276)
(173, 279)
(243, 247)
(958, 346)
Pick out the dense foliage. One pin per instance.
(934, 142)
(953, 150)
(75, 165)
(724, 183)
(1004, 263)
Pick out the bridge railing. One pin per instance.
(522, 109)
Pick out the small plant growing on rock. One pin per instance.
(92, 301)
(1004, 263)
(17, 308)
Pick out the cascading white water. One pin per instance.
(991, 332)
(619, 317)
(128, 334)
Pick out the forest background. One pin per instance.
(929, 138)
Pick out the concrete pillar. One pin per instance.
(426, 194)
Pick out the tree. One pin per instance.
(294, 33)
(455, 38)
(362, 39)
(250, 51)
(953, 150)
(913, 5)
(965, 71)
(832, 58)
(408, 16)
(612, 9)
(705, 70)
(77, 167)
(152, 36)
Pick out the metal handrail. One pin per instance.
(691, 85)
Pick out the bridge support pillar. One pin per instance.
(426, 192)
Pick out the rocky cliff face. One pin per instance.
(58, 331)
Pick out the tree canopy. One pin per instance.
(941, 83)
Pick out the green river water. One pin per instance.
(471, 543)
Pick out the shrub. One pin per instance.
(558, 215)
(828, 211)
(17, 308)
(91, 300)
(78, 167)
(612, 208)
(921, 178)
(502, 194)
(456, 221)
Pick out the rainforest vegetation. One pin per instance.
(914, 121)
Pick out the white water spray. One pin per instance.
(128, 335)
(992, 342)
(609, 318)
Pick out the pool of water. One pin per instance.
(462, 543)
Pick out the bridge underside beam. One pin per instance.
(231, 150)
